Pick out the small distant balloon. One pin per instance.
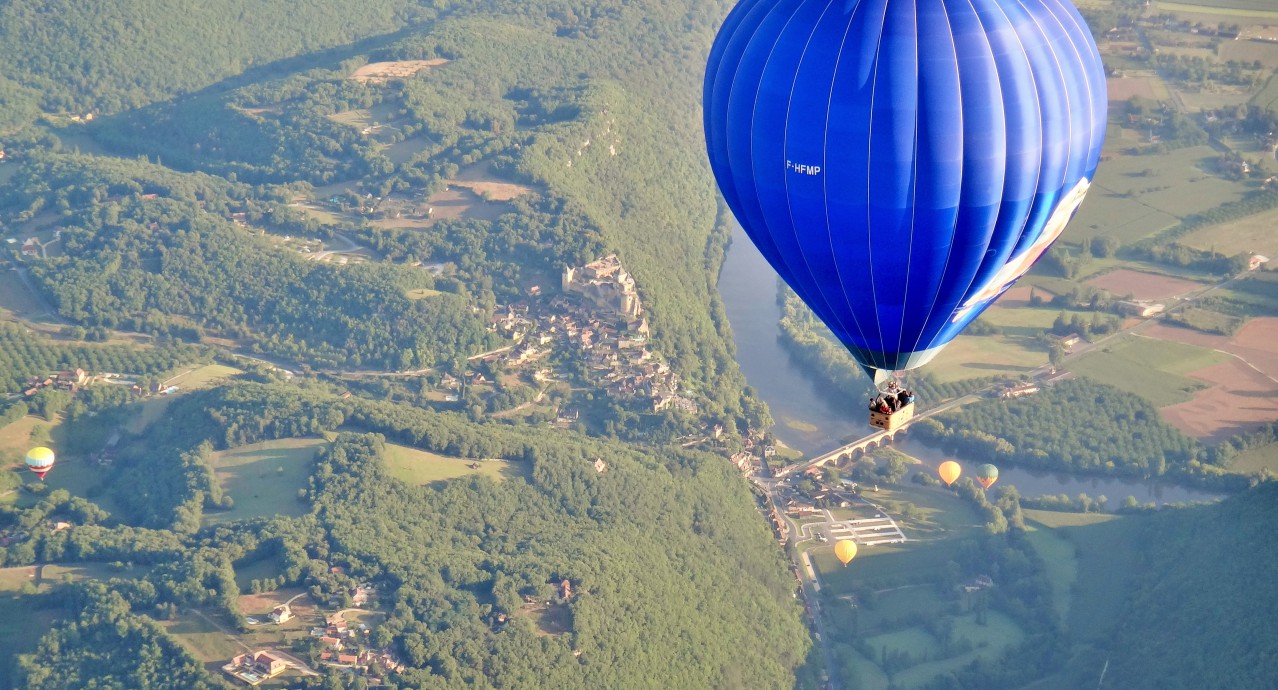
(986, 475)
(40, 461)
(845, 550)
(949, 471)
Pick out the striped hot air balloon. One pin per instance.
(40, 461)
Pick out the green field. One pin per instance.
(263, 478)
(17, 438)
(1258, 9)
(1252, 234)
(194, 378)
(1106, 556)
(15, 297)
(13, 579)
(1062, 567)
(70, 473)
(261, 569)
(1268, 95)
(1136, 196)
(422, 293)
(1152, 369)
(1256, 459)
(422, 467)
(970, 357)
(202, 638)
(1028, 321)
(21, 626)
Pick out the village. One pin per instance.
(600, 318)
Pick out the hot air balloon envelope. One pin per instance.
(901, 163)
(987, 474)
(949, 471)
(845, 550)
(40, 461)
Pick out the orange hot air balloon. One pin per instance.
(40, 461)
(949, 471)
(987, 474)
(845, 550)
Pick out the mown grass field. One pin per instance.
(198, 377)
(1256, 459)
(202, 639)
(1252, 234)
(263, 478)
(13, 579)
(989, 639)
(421, 467)
(1152, 369)
(1062, 567)
(15, 298)
(1107, 560)
(970, 357)
(257, 570)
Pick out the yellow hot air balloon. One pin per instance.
(845, 550)
(40, 461)
(949, 471)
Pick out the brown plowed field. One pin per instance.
(1239, 399)
(1243, 392)
(1142, 285)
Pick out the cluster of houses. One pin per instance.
(71, 381)
(601, 316)
(342, 648)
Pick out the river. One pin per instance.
(814, 418)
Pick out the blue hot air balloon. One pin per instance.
(901, 163)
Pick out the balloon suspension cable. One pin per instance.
(889, 384)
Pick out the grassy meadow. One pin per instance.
(263, 478)
(420, 467)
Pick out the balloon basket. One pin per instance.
(891, 420)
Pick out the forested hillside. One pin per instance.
(676, 583)
(1201, 615)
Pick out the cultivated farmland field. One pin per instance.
(420, 467)
(1136, 196)
(1153, 369)
(263, 478)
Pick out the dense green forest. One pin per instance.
(1193, 623)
